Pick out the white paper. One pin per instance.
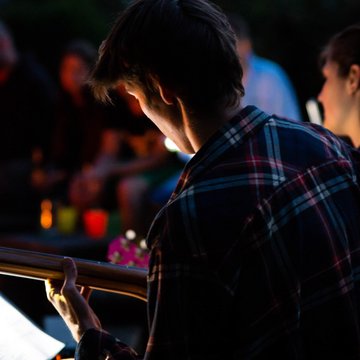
(21, 339)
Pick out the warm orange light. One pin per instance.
(46, 219)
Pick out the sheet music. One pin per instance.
(21, 339)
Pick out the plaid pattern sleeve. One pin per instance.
(99, 345)
(257, 253)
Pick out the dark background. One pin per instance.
(291, 32)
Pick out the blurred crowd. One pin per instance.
(59, 143)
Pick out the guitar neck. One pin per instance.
(97, 275)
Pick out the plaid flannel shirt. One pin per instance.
(256, 254)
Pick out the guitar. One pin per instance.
(126, 280)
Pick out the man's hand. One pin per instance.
(71, 303)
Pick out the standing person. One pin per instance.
(340, 94)
(257, 251)
(266, 83)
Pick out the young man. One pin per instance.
(256, 253)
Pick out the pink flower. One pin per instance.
(126, 252)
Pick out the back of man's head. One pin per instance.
(186, 45)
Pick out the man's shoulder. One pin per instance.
(311, 134)
(278, 146)
(276, 152)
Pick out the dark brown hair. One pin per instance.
(344, 49)
(187, 45)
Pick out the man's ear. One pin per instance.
(354, 78)
(167, 95)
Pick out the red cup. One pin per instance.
(95, 223)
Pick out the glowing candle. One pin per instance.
(46, 219)
(95, 222)
(66, 219)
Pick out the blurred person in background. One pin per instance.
(340, 93)
(266, 84)
(151, 166)
(27, 99)
(125, 182)
(86, 132)
(80, 120)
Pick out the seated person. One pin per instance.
(124, 182)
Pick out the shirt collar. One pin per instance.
(232, 134)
